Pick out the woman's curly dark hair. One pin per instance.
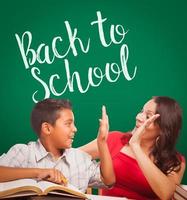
(170, 121)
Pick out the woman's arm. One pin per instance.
(163, 185)
(91, 148)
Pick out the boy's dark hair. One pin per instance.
(47, 110)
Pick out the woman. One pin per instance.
(145, 161)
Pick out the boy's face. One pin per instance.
(63, 131)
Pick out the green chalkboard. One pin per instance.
(116, 53)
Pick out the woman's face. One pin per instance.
(147, 111)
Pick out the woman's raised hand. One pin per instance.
(138, 132)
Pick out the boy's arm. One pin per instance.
(106, 166)
(13, 173)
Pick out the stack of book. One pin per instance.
(180, 193)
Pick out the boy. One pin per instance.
(51, 157)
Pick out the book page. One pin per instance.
(19, 194)
(19, 187)
(43, 185)
(46, 184)
(49, 187)
(17, 183)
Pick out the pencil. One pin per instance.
(64, 180)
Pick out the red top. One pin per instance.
(130, 181)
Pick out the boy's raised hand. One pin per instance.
(104, 126)
(106, 166)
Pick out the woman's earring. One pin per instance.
(157, 141)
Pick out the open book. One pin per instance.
(28, 187)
